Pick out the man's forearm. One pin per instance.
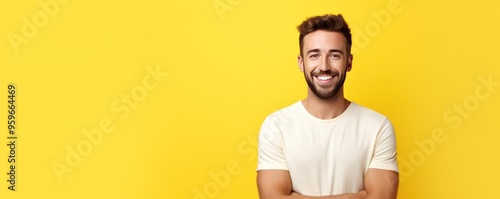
(303, 197)
(294, 195)
(341, 196)
(277, 184)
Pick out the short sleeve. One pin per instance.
(271, 155)
(384, 156)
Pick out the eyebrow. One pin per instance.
(316, 50)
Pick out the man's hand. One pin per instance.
(362, 194)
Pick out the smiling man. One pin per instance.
(326, 146)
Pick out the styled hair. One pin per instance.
(328, 22)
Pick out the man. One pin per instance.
(326, 146)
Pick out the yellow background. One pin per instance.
(225, 65)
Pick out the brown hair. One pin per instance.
(328, 22)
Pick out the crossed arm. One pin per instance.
(277, 184)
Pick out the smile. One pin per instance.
(324, 77)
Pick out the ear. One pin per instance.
(349, 62)
(300, 62)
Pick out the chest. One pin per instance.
(327, 146)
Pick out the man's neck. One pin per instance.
(326, 109)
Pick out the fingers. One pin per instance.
(363, 194)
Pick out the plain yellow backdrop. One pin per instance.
(164, 99)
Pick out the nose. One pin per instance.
(325, 64)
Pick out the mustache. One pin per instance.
(328, 72)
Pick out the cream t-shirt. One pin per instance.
(326, 157)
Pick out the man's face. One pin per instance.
(325, 62)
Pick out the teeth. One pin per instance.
(324, 78)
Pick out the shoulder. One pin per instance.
(275, 123)
(367, 115)
(285, 115)
(373, 123)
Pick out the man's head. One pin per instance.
(325, 45)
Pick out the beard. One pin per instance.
(324, 93)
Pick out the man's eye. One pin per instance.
(335, 55)
(314, 56)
